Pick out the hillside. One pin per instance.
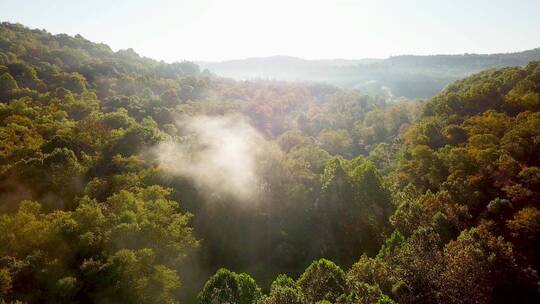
(400, 76)
(128, 180)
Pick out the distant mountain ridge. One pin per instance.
(411, 76)
(290, 60)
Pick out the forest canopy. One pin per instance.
(128, 180)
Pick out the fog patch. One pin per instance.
(219, 154)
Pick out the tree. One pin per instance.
(5, 282)
(322, 280)
(229, 287)
(481, 268)
(524, 229)
(126, 249)
(374, 272)
(291, 139)
(417, 265)
(365, 294)
(130, 276)
(336, 141)
(284, 290)
(410, 213)
(352, 192)
(7, 84)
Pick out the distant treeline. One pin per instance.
(400, 76)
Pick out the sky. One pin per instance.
(217, 30)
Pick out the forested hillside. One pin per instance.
(398, 76)
(128, 180)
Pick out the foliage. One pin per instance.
(229, 287)
(322, 280)
(422, 202)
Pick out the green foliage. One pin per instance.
(418, 263)
(284, 290)
(373, 272)
(322, 280)
(128, 248)
(229, 287)
(390, 244)
(335, 141)
(353, 191)
(365, 293)
(7, 84)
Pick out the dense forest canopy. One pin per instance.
(128, 180)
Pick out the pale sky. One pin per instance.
(312, 29)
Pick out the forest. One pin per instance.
(409, 76)
(129, 180)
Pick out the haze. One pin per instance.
(219, 155)
(208, 30)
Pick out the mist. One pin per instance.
(218, 154)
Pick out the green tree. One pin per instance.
(7, 84)
(284, 290)
(229, 287)
(322, 280)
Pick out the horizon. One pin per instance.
(359, 59)
(272, 56)
(212, 31)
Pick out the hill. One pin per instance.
(400, 76)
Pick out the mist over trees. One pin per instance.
(397, 76)
(128, 180)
